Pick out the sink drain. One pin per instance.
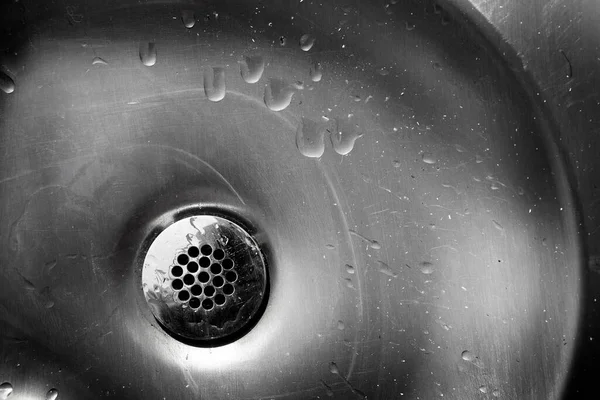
(205, 280)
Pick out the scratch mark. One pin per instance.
(569, 66)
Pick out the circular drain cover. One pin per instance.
(205, 280)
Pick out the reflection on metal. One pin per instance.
(446, 227)
(205, 280)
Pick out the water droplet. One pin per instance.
(6, 83)
(98, 61)
(428, 158)
(483, 389)
(460, 148)
(496, 393)
(478, 159)
(282, 40)
(310, 139)
(329, 246)
(278, 95)
(468, 356)
(498, 226)
(298, 85)
(343, 140)
(427, 268)
(350, 269)
(52, 394)
(340, 325)
(148, 53)
(6, 390)
(333, 368)
(306, 42)
(188, 18)
(214, 83)
(349, 283)
(252, 68)
(386, 269)
(396, 164)
(520, 191)
(316, 73)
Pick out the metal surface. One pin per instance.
(205, 280)
(409, 189)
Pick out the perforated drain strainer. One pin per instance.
(205, 280)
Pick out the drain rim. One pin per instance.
(231, 216)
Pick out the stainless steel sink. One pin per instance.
(399, 169)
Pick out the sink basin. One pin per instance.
(403, 182)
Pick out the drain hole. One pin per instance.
(219, 254)
(206, 250)
(194, 302)
(177, 271)
(196, 290)
(184, 295)
(203, 277)
(227, 263)
(188, 279)
(231, 276)
(204, 262)
(216, 268)
(182, 259)
(228, 289)
(219, 299)
(209, 291)
(192, 267)
(193, 252)
(218, 281)
(207, 304)
(177, 284)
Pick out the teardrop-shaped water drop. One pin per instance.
(278, 95)
(344, 137)
(316, 72)
(148, 53)
(52, 394)
(188, 18)
(6, 390)
(214, 83)
(310, 138)
(98, 61)
(307, 41)
(7, 85)
(252, 68)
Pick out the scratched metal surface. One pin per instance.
(440, 256)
